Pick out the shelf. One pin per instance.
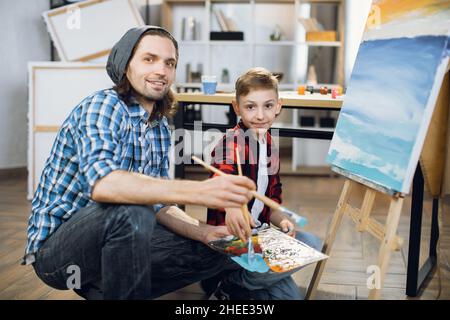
(248, 1)
(321, 43)
(322, 1)
(185, 1)
(281, 86)
(230, 1)
(199, 85)
(277, 1)
(275, 43)
(192, 43)
(258, 19)
(292, 55)
(229, 43)
(261, 43)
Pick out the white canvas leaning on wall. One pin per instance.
(55, 88)
(86, 31)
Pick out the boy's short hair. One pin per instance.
(255, 79)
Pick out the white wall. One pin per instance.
(24, 38)
(355, 16)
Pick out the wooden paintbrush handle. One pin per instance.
(267, 201)
(244, 206)
(209, 167)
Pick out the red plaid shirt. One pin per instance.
(224, 159)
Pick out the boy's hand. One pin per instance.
(237, 225)
(226, 191)
(214, 233)
(288, 227)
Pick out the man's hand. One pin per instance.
(288, 227)
(229, 191)
(212, 233)
(181, 223)
(237, 225)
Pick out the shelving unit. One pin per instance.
(251, 17)
(257, 19)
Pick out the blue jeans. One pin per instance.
(123, 252)
(272, 285)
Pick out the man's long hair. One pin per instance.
(164, 107)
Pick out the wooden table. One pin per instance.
(291, 100)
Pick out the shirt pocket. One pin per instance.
(157, 158)
(127, 156)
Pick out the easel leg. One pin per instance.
(415, 233)
(337, 218)
(437, 207)
(417, 274)
(384, 255)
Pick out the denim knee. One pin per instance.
(310, 239)
(139, 220)
(284, 289)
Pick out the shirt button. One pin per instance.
(140, 169)
(140, 139)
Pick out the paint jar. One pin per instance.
(334, 93)
(209, 84)
(301, 90)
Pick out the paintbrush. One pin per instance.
(299, 220)
(250, 249)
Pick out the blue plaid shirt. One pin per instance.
(101, 134)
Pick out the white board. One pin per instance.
(86, 31)
(55, 88)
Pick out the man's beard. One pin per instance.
(151, 97)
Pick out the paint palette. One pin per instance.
(279, 251)
(234, 246)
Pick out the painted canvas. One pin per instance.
(392, 92)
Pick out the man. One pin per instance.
(104, 187)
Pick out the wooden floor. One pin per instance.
(315, 197)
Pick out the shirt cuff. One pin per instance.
(97, 171)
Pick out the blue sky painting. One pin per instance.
(389, 103)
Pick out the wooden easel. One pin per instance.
(387, 233)
(432, 162)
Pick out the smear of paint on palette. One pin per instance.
(256, 265)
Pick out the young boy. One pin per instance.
(257, 104)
